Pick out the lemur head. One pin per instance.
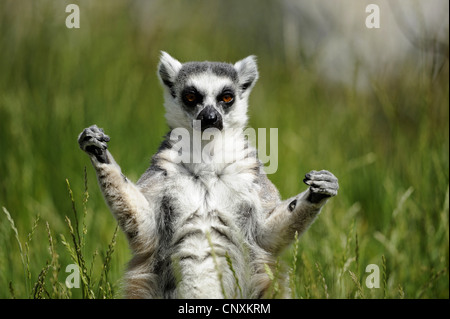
(214, 93)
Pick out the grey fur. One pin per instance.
(218, 68)
(182, 219)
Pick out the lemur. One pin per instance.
(199, 229)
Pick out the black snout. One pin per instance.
(210, 117)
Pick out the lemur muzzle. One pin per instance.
(210, 117)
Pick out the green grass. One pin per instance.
(389, 147)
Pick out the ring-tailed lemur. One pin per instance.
(186, 220)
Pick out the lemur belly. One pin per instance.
(201, 219)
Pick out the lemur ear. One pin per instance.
(247, 72)
(168, 69)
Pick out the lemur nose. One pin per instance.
(210, 117)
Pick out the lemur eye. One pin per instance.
(190, 97)
(227, 98)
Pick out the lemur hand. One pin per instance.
(93, 141)
(322, 184)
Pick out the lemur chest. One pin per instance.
(205, 191)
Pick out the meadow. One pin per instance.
(387, 144)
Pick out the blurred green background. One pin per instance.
(382, 129)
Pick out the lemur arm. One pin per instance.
(283, 218)
(126, 201)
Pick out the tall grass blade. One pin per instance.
(104, 284)
(11, 290)
(77, 242)
(236, 279)
(85, 201)
(39, 286)
(434, 276)
(22, 255)
(274, 280)
(58, 289)
(216, 265)
(293, 271)
(383, 258)
(401, 292)
(74, 209)
(357, 283)
(322, 278)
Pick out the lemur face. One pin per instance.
(215, 94)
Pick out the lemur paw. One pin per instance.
(93, 141)
(322, 184)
